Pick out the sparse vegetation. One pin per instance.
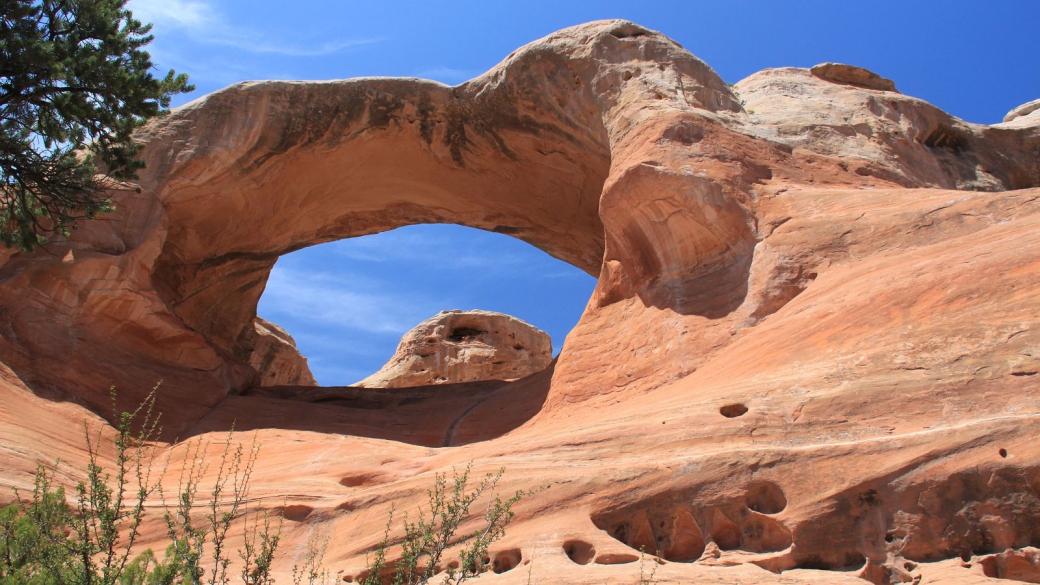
(647, 577)
(46, 540)
(435, 531)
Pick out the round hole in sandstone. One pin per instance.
(359, 480)
(1003, 453)
(506, 560)
(727, 538)
(346, 304)
(579, 551)
(733, 410)
(296, 512)
(765, 497)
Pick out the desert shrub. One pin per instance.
(436, 530)
(46, 539)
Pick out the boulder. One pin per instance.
(464, 346)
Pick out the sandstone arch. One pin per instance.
(856, 267)
(607, 145)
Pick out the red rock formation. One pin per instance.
(811, 356)
(276, 358)
(464, 346)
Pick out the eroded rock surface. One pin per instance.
(811, 356)
(852, 75)
(276, 358)
(464, 346)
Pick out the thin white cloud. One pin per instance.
(205, 24)
(325, 301)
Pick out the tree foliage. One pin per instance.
(74, 85)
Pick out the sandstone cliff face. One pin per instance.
(464, 346)
(812, 353)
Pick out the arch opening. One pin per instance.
(348, 303)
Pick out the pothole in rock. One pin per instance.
(670, 527)
(766, 498)
(296, 512)
(506, 560)
(733, 410)
(579, 551)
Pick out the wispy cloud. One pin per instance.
(494, 253)
(327, 301)
(205, 24)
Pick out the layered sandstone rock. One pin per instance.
(464, 346)
(276, 358)
(811, 356)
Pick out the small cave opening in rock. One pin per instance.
(766, 498)
(347, 304)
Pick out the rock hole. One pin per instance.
(460, 334)
(616, 559)
(684, 133)
(890, 537)
(945, 137)
(629, 30)
(725, 533)
(733, 410)
(766, 498)
(506, 560)
(644, 537)
(764, 534)
(687, 540)
(869, 497)
(296, 513)
(358, 480)
(579, 551)
(1003, 453)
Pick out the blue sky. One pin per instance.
(347, 303)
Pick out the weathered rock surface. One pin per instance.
(1024, 110)
(852, 75)
(811, 356)
(276, 358)
(464, 346)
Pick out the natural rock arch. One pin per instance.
(607, 145)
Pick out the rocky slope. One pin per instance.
(812, 354)
(464, 346)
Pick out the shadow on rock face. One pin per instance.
(444, 415)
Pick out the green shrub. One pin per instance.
(436, 530)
